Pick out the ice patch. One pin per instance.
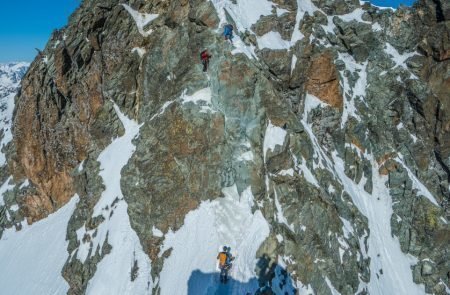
(281, 11)
(279, 238)
(376, 27)
(157, 233)
(347, 228)
(247, 156)
(311, 102)
(331, 189)
(280, 215)
(203, 95)
(417, 184)
(162, 109)
(274, 136)
(141, 20)
(241, 47)
(139, 50)
(80, 166)
(200, 95)
(355, 15)
(306, 172)
(293, 63)
(273, 40)
(343, 246)
(289, 172)
(400, 59)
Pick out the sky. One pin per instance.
(28, 25)
(392, 3)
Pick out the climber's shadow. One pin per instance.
(201, 283)
(271, 279)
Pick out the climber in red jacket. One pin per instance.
(205, 56)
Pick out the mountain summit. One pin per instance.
(316, 145)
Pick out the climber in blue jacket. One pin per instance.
(228, 32)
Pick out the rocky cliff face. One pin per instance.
(10, 77)
(317, 146)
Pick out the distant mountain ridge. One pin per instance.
(10, 76)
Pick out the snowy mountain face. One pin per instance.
(316, 146)
(10, 76)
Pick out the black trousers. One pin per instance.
(205, 63)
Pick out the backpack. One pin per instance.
(223, 257)
(228, 30)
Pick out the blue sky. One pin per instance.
(27, 24)
(392, 3)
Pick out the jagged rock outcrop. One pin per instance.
(323, 80)
(333, 116)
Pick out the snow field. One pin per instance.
(383, 248)
(32, 258)
(113, 275)
(226, 221)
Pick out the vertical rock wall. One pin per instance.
(366, 86)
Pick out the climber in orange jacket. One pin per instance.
(225, 258)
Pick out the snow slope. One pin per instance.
(32, 258)
(389, 265)
(226, 221)
(113, 275)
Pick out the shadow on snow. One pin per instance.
(271, 279)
